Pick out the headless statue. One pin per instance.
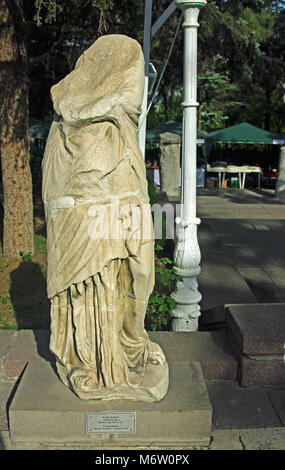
(100, 245)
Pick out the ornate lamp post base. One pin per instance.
(187, 253)
(187, 258)
(187, 310)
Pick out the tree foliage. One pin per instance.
(240, 55)
(245, 40)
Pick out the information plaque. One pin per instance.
(110, 423)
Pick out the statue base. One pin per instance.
(45, 413)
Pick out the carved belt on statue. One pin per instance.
(68, 202)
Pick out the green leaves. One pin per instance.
(241, 63)
(216, 94)
(161, 304)
(160, 308)
(50, 15)
(167, 272)
(26, 256)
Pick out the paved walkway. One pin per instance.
(243, 261)
(239, 204)
(243, 229)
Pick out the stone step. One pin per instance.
(258, 339)
(211, 348)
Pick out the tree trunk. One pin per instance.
(14, 136)
(267, 114)
(165, 102)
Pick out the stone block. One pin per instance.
(254, 373)
(29, 345)
(236, 407)
(170, 145)
(6, 339)
(211, 348)
(257, 334)
(259, 329)
(45, 411)
(6, 389)
(280, 184)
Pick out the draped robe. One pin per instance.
(100, 250)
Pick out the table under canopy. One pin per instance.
(242, 171)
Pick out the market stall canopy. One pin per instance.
(245, 133)
(152, 135)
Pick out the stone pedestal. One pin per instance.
(280, 184)
(45, 411)
(258, 335)
(170, 146)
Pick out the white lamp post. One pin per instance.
(187, 255)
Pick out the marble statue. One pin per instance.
(99, 279)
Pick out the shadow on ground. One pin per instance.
(241, 196)
(28, 297)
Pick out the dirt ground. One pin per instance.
(23, 299)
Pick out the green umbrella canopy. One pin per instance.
(152, 135)
(38, 129)
(244, 133)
